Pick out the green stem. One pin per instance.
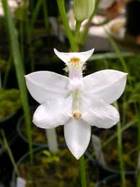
(120, 153)
(6, 75)
(15, 51)
(62, 12)
(28, 31)
(35, 13)
(46, 18)
(111, 138)
(77, 32)
(138, 165)
(118, 52)
(74, 47)
(83, 172)
(7, 148)
(86, 29)
(111, 55)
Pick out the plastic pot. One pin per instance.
(115, 181)
(133, 17)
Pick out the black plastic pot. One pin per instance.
(133, 18)
(115, 181)
(110, 162)
(42, 132)
(18, 148)
(23, 137)
(9, 124)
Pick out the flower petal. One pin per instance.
(66, 57)
(100, 114)
(77, 135)
(53, 113)
(106, 84)
(44, 85)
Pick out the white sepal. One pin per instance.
(45, 85)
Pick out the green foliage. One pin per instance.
(9, 102)
(3, 65)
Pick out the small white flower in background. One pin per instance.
(76, 102)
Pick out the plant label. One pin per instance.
(20, 182)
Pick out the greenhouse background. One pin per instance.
(69, 93)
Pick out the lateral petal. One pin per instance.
(106, 84)
(100, 114)
(53, 113)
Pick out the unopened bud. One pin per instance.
(83, 9)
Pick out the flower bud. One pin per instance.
(83, 9)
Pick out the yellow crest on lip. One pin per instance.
(77, 115)
(75, 60)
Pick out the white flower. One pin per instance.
(76, 102)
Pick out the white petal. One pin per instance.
(106, 84)
(44, 85)
(66, 57)
(100, 114)
(52, 114)
(77, 135)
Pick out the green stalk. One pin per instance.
(77, 33)
(15, 50)
(110, 55)
(21, 33)
(6, 146)
(83, 172)
(74, 47)
(29, 29)
(118, 52)
(35, 12)
(7, 71)
(62, 12)
(46, 18)
(28, 32)
(138, 165)
(86, 29)
(120, 153)
(111, 138)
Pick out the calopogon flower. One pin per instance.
(75, 101)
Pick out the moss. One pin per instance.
(9, 102)
(51, 169)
